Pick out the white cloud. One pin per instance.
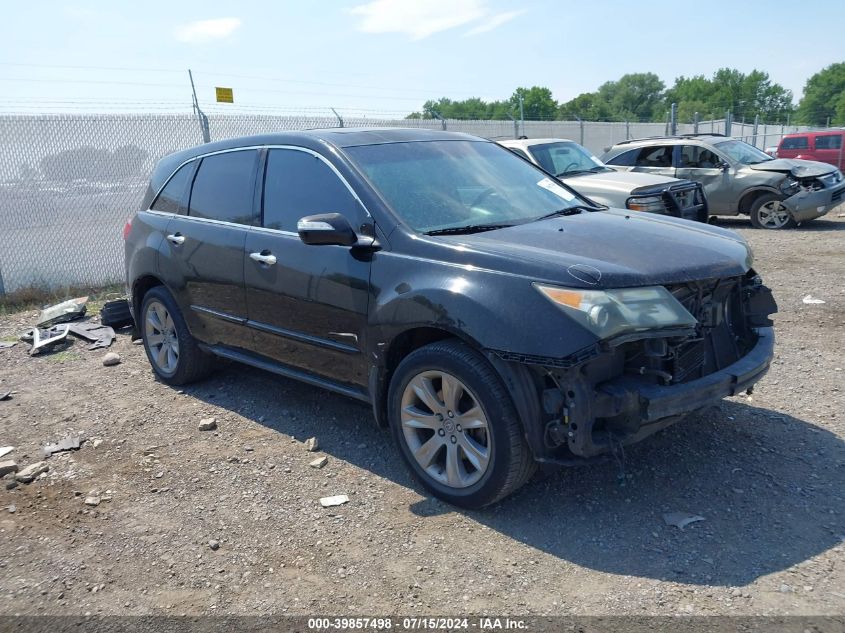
(421, 18)
(493, 22)
(207, 30)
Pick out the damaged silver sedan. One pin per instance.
(737, 177)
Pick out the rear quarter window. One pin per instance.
(173, 197)
(830, 141)
(795, 142)
(625, 159)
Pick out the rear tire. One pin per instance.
(456, 426)
(173, 353)
(769, 212)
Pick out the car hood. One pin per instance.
(610, 249)
(620, 182)
(795, 166)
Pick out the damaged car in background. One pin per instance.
(738, 178)
(586, 174)
(492, 318)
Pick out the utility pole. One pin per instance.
(203, 120)
(522, 112)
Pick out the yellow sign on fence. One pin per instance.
(224, 95)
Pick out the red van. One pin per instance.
(825, 147)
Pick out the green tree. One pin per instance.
(588, 106)
(635, 96)
(823, 97)
(538, 103)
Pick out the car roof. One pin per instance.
(528, 142)
(814, 133)
(313, 139)
(679, 138)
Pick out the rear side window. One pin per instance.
(832, 141)
(659, 156)
(224, 188)
(299, 184)
(795, 142)
(173, 197)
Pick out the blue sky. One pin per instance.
(387, 56)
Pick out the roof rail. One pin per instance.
(668, 136)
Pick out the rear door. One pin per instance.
(202, 260)
(829, 149)
(700, 164)
(308, 306)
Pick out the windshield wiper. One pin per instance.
(568, 211)
(592, 170)
(469, 228)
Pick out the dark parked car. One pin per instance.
(489, 316)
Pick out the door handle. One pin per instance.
(176, 238)
(264, 257)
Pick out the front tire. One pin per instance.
(173, 353)
(456, 426)
(769, 212)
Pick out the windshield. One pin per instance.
(564, 158)
(742, 152)
(436, 185)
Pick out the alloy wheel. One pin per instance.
(161, 337)
(773, 215)
(445, 429)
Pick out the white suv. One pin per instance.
(590, 177)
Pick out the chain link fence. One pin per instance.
(69, 182)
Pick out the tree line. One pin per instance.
(645, 97)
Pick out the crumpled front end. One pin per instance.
(625, 389)
(814, 197)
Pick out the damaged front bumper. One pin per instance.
(808, 205)
(658, 406)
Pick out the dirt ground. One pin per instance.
(766, 472)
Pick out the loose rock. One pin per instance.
(111, 359)
(207, 424)
(214, 544)
(337, 500)
(319, 462)
(312, 445)
(8, 466)
(92, 501)
(28, 474)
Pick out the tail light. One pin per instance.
(127, 228)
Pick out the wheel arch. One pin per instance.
(140, 287)
(748, 197)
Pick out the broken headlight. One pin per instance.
(607, 313)
(790, 186)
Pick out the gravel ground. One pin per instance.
(229, 521)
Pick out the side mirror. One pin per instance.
(326, 229)
(724, 166)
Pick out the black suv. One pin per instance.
(492, 317)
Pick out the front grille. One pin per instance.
(837, 195)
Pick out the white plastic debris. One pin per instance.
(5, 450)
(810, 301)
(681, 519)
(337, 500)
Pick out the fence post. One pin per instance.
(2, 285)
(203, 120)
(581, 124)
(437, 116)
(339, 118)
(666, 125)
(674, 115)
(522, 112)
(754, 132)
(728, 121)
(627, 130)
(695, 122)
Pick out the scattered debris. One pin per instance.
(207, 424)
(11, 484)
(45, 338)
(5, 395)
(12, 509)
(337, 500)
(116, 314)
(92, 501)
(28, 474)
(319, 462)
(61, 312)
(810, 301)
(67, 443)
(8, 466)
(312, 445)
(96, 443)
(214, 544)
(5, 450)
(111, 359)
(100, 336)
(7, 344)
(681, 519)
